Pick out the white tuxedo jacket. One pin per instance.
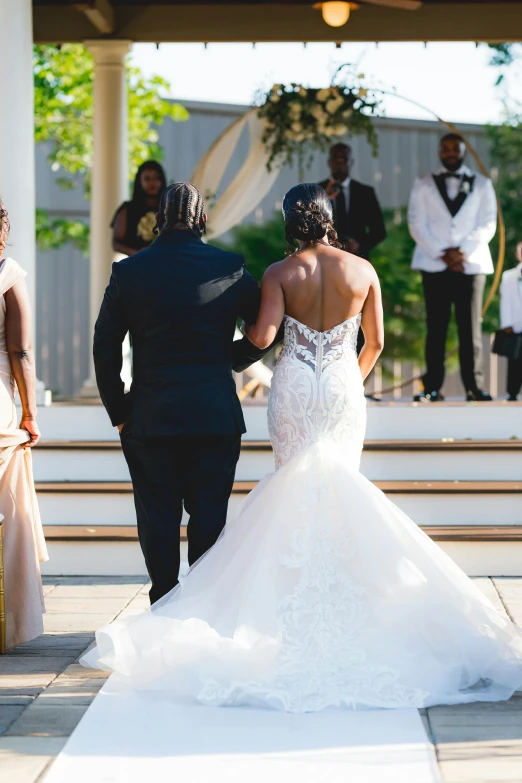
(434, 228)
(511, 299)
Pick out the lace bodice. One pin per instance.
(317, 390)
(319, 349)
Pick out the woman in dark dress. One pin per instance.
(134, 220)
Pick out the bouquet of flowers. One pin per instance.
(145, 227)
(301, 120)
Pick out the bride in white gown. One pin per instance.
(322, 593)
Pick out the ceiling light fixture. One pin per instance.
(335, 13)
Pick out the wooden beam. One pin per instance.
(100, 13)
(493, 22)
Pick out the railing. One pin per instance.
(252, 384)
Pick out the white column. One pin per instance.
(110, 181)
(17, 179)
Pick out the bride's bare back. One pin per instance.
(321, 287)
(324, 286)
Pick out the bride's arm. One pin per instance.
(271, 312)
(373, 328)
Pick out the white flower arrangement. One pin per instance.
(300, 120)
(145, 227)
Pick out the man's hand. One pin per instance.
(351, 246)
(30, 425)
(454, 259)
(332, 189)
(121, 426)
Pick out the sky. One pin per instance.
(452, 79)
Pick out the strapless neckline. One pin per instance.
(319, 331)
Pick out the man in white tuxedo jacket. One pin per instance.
(511, 320)
(452, 217)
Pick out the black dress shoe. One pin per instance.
(478, 395)
(512, 398)
(432, 396)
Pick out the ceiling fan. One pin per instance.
(336, 14)
(407, 5)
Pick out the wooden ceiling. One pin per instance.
(61, 21)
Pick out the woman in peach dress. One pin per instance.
(23, 542)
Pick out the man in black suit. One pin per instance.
(181, 423)
(357, 214)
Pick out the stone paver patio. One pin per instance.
(44, 691)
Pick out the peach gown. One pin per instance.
(24, 543)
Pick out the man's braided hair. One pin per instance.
(181, 204)
(4, 219)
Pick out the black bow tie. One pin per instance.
(450, 174)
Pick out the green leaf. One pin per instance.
(53, 234)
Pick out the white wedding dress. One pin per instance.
(322, 593)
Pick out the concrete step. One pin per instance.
(465, 492)
(497, 555)
(93, 504)
(468, 460)
(386, 421)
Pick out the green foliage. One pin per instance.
(402, 289)
(503, 55)
(52, 234)
(63, 105)
(261, 245)
(63, 88)
(403, 299)
(148, 109)
(506, 153)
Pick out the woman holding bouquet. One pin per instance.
(134, 220)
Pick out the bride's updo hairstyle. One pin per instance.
(308, 215)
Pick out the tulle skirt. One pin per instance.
(321, 594)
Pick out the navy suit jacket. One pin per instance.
(180, 300)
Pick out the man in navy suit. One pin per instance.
(181, 423)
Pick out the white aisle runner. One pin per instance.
(128, 737)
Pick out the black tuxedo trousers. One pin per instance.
(172, 473)
(442, 290)
(514, 376)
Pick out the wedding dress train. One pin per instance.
(322, 593)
